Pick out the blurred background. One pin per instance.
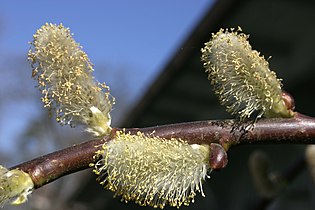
(148, 52)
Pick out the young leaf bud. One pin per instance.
(15, 186)
(64, 75)
(241, 77)
(153, 171)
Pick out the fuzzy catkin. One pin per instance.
(15, 186)
(241, 77)
(64, 75)
(153, 171)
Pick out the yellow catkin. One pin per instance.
(15, 186)
(241, 77)
(153, 171)
(64, 75)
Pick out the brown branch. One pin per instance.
(300, 130)
(50, 167)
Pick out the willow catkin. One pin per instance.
(15, 186)
(153, 171)
(241, 77)
(64, 75)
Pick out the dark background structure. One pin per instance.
(283, 29)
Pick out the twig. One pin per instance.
(50, 167)
(297, 130)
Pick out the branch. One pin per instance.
(50, 167)
(297, 130)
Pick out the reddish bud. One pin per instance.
(218, 156)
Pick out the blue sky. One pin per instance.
(142, 33)
(132, 40)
